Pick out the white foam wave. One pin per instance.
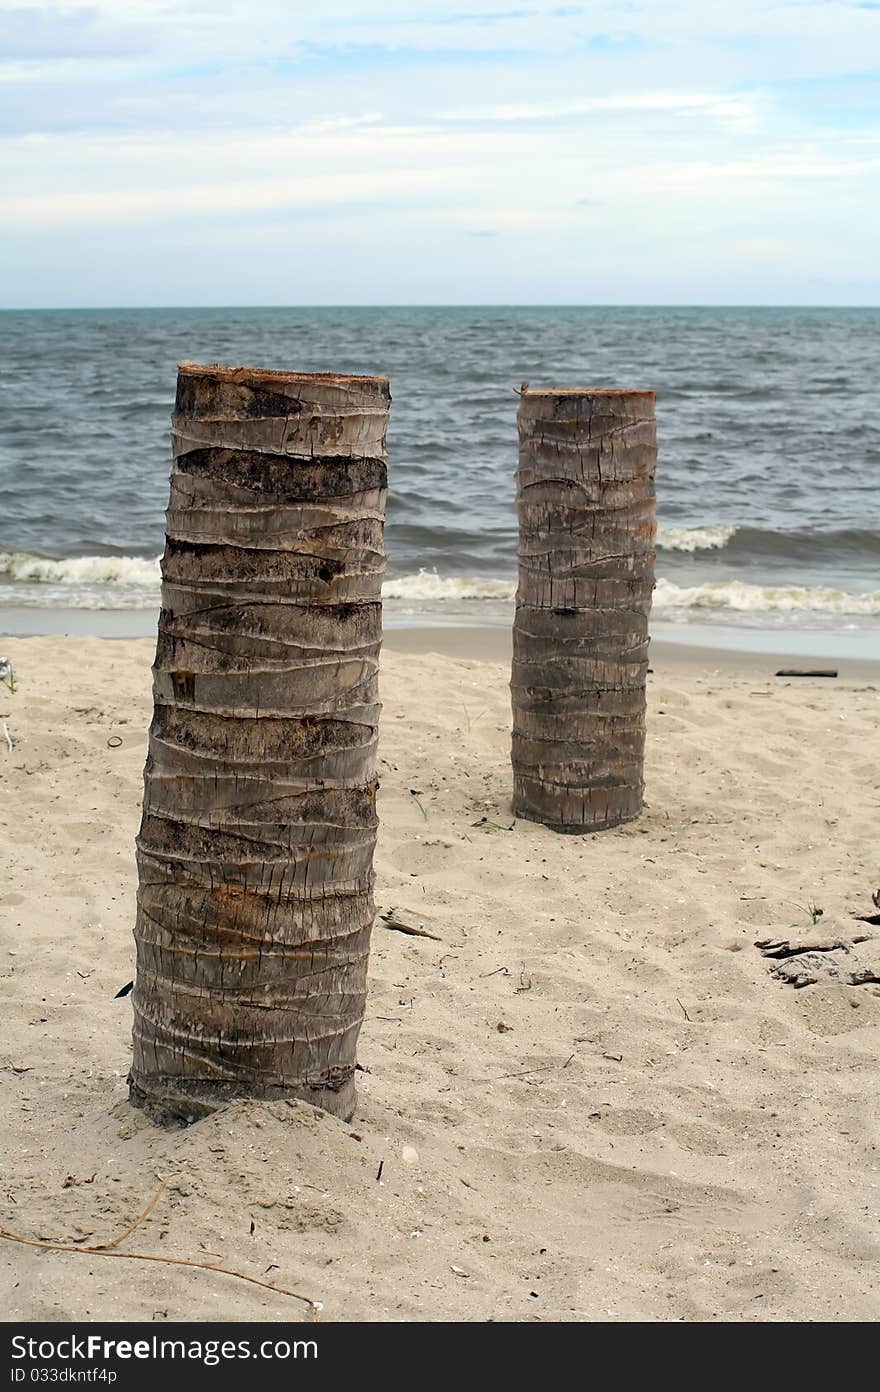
(132, 582)
(428, 585)
(79, 570)
(741, 597)
(694, 538)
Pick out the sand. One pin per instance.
(591, 1099)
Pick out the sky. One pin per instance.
(265, 152)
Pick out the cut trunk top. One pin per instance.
(301, 414)
(580, 403)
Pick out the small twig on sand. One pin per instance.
(7, 737)
(105, 1246)
(524, 1072)
(314, 1305)
(108, 1249)
(684, 1012)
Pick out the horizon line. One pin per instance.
(548, 304)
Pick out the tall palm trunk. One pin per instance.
(585, 496)
(256, 846)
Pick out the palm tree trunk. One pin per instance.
(255, 852)
(585, 496)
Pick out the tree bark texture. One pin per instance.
(255, 854)
(585, 497)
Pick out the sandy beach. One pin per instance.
(588, 1095)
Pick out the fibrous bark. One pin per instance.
(585, 497)
(256, 845)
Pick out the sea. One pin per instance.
(767, 473)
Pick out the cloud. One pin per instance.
(72, 70)
(165, 148)
(53, 32)
(148, 205)
(248, 30)
(731, 110)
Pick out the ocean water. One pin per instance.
(767, 477)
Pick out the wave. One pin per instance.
(742, 597)
(132, 582)
(428, 585)
(710, 538)
(79, 570)
(732, 595)
(743, 543)
(78, 582)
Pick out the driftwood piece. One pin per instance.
(849, 961)
(807, 672)
(255, 853)
(392, 920)
(585, 497)
(872, 918)
(782, 947)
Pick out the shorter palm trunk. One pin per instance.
(585, 497)
(255, 854)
